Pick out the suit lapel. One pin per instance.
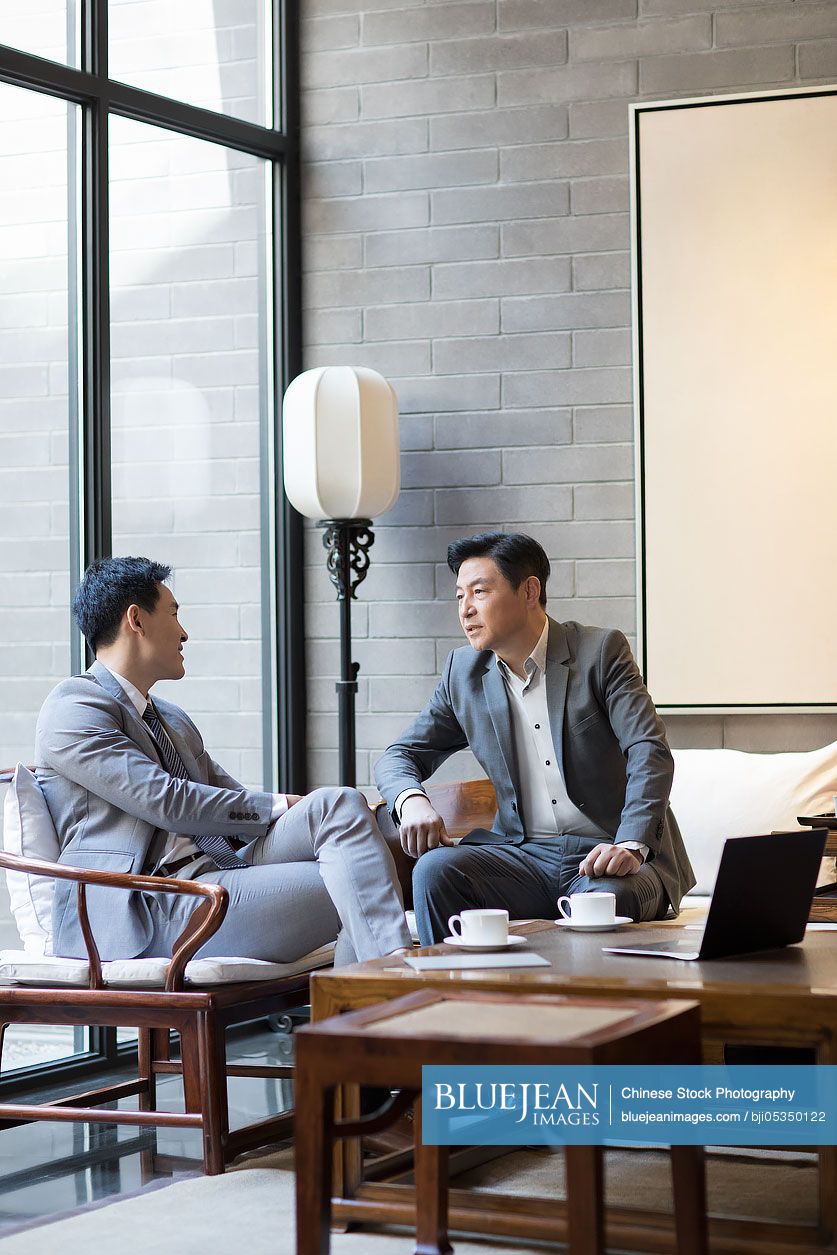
(557, 676)
(138, 731)
(497, 701)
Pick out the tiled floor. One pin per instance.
(47, 1170)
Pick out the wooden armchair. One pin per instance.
(200, 1014)
(463, 804)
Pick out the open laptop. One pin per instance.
(761, 899)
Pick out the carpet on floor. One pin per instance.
(251, 1207)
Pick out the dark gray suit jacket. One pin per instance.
(113, 803)
(609, 740)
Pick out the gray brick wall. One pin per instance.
(466, 232)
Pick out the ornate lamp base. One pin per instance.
(347, 543)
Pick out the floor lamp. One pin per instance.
(341, 457)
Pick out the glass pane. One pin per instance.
(199, 51)
(187, 242)
(35, 410)
(45, 27)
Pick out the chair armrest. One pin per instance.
(204, 921)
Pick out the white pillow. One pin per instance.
(29, 832)
(728, 793)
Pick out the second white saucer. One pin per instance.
(617, 922)
(503, 945)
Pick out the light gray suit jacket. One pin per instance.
(113, 803)
(609, 740)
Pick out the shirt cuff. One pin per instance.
(402, 798)
(280, 806)
(638, 846)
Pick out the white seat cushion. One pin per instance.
(28, 832)
(721, 793)
(21, 968)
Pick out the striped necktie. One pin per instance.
(220, 849)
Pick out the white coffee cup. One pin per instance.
(480, 928)
(589, 908)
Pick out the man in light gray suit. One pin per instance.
(131, 788)
(560, 721)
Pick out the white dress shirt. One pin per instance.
(546, 808)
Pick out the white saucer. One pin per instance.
(618, 922)
(503, 945)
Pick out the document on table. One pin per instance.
(436, 962)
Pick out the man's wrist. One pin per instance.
(402, 798)
(637, 848)
(280, 805)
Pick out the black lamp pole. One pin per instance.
(347, 543)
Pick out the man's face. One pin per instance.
(491, 611)
(164, 637)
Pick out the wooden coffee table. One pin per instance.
(779, 998)
(389, 1044)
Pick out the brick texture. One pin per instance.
(494, 287)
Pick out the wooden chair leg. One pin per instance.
(313, 1141)
(190, 1054)
(688, 1175)
(585, 1200)
(145, 1071)
(214, 1082)
(160, 1039)
(431, 1176)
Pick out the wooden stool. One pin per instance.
(386, 1045)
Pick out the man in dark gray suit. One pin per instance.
(559, 719)
(131, 788)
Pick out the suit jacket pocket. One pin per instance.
(99, 860)
(587, 722)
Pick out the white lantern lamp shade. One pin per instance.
(341, 447)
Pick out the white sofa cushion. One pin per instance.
(21, 968)
(28, 832)
(721, 793)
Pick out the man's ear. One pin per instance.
(134, 620)
(533, 590)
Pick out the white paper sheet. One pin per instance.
(436, 962)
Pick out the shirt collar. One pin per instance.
(131, 691)
(535, 662)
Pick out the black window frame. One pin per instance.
(99, 97)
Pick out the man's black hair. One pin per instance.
(516, 556)
(108, 587)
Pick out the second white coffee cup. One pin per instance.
(480, 928)
(589, 908)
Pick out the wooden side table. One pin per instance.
(386, 1045)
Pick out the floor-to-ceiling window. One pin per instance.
(148, 260)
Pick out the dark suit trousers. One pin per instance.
(526, 879)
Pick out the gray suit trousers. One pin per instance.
(526, 879)
(321, 868)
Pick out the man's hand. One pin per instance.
(293, 798)
(422, 829)
(610, 860)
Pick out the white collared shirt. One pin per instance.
(131, 691)
(547, 809)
